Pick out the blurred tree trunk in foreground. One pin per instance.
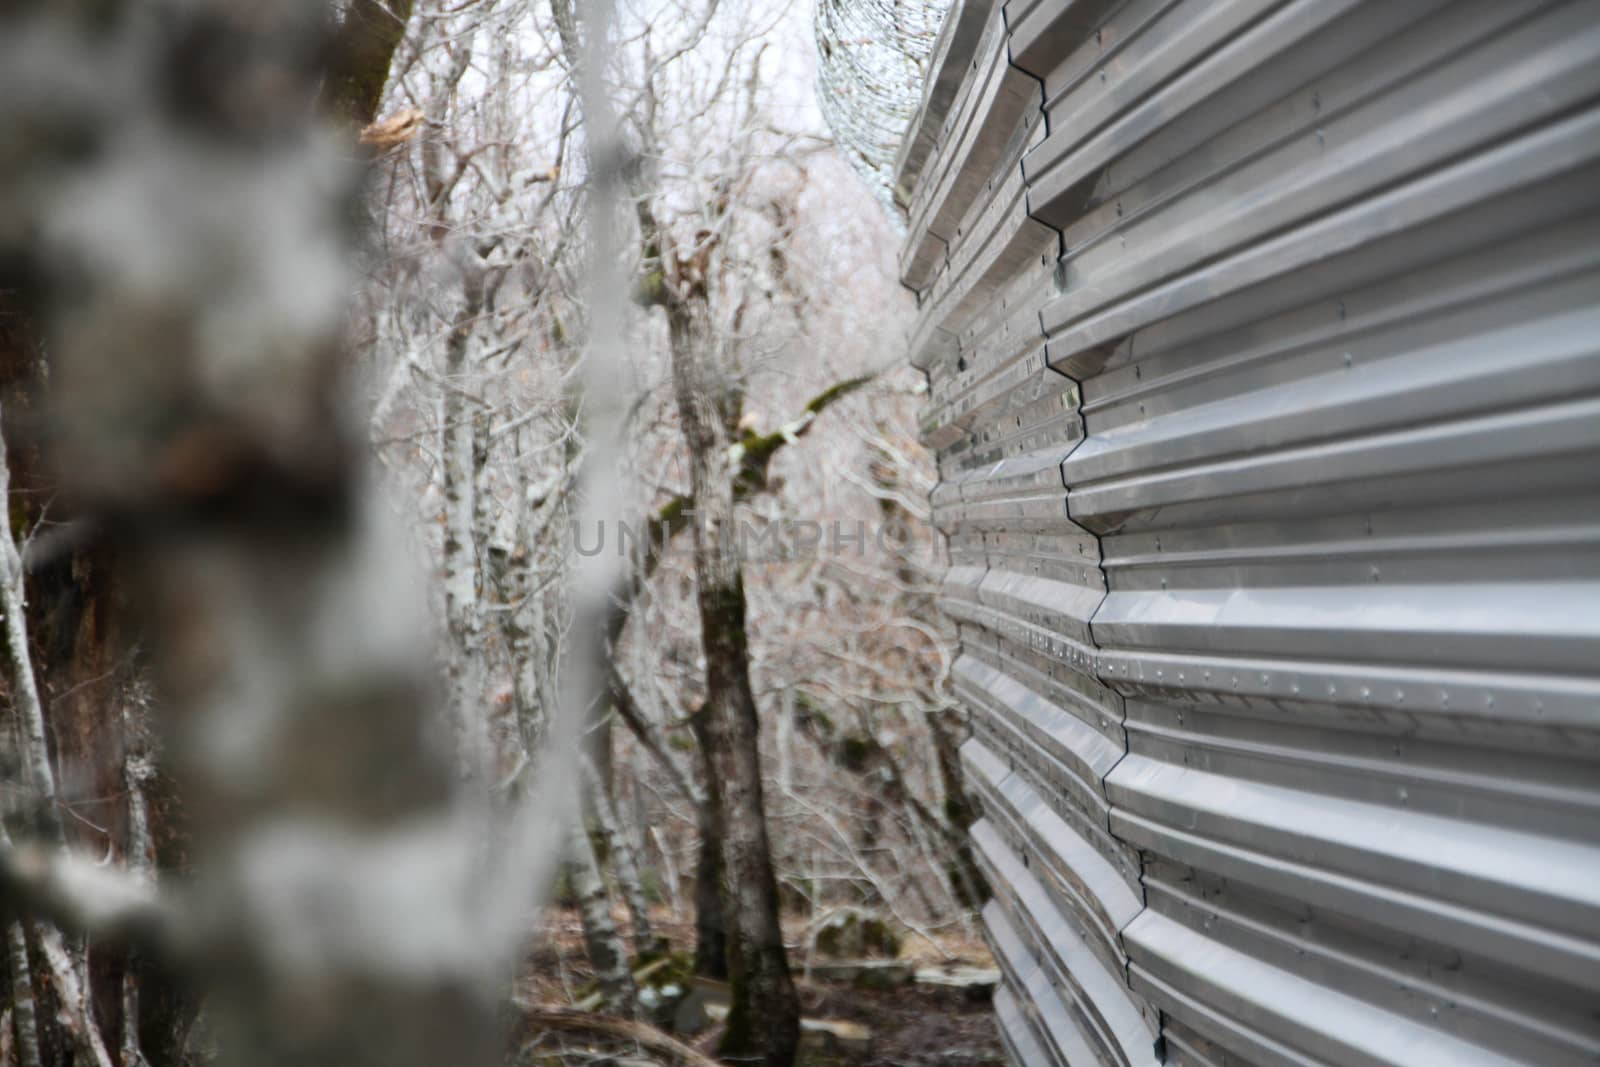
(176, 230)
(77, 576)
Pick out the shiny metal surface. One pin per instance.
(988, 121)
(1263, 344)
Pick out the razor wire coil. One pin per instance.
(872, 57)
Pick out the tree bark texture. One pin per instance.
(624, 861)
(710, 927)
(763, 1011)
(607, 955)
(359, 58)
(80, 649)
(460, 552)
(25, 1012)
(712, 943)
(197, 419)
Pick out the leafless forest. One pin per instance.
(468, 579)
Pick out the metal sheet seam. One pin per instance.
(1011, 61)
(921, 294)
(1083, 436)
(1095, 661)
(1100, 554)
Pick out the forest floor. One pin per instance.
(915, 1024)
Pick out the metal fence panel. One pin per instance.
(1263, 343)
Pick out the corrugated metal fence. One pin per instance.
(1263, 339)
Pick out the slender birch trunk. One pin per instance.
(458, 414)
(136, 771)
(39, 779)
(624, 861)
(38, 776)
(72, 993)
(460, 556)
(25, 1013)
(523, 624)
(604, 945)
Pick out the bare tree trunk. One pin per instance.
(37, 772)
(76, 1015)
(464, 665)
(763, 1011)
(136, 771)
(25, 1017)
(73, 994)
(710, 923)
(38, 776)
(523, 628)
(294, 667)
(359, 57)
(624, 861)
(607, 955)
(77, 636)
(712, 932)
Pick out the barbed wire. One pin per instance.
(872, 56)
